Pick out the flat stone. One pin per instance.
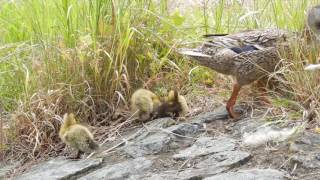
(246, 125)
(307, 142)
(161, 123)
(214, 164)
(162, 141)
(122, 170)
(306, 147)
(206, 145)
(153, 144)
(219, 113)
(60, 169)
(225, 159)
(186, 129)
(309, 161)
(250, 174)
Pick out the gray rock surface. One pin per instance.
(60, 169)
(122, 170)
(161, 140)
(186, 129)
(166, 149)
(306, 143)
(219, 113)
(161, 123)
(212, 165)
(310, 161)
(225, 159)
(215, 164)
(5, 168)
(250, 174)
(307, 151)
(206, 145)
(153, 144)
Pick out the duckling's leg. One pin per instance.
(232, 101)
(78, 156)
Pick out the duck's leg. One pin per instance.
(232, 101)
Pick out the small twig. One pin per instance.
(285, 162)
(294, 168)
(183, 164)
(122, 124)
(123, 141)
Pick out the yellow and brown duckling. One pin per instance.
(173, 105)
(144, 104)
(76, 136)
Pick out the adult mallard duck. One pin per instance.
(248, 56)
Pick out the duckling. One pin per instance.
(76, 136)
(174, 104)
(144, 104)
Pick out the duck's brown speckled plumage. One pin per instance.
(262, 37)
(247, 66)
(218, 53)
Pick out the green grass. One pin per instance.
(88, 56)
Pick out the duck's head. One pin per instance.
(313, 20)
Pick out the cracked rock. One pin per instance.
(60, 169)
(250, 174)
(206, 145)
(122, 170)
(162, 140)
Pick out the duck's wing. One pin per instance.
(249, 40)
(264, 38)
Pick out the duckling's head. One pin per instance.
(69, 120)
(313, 19)
(173, 96)
(170, 105)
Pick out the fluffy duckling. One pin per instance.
(144, 103)
(173, 105)
(76, 136)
